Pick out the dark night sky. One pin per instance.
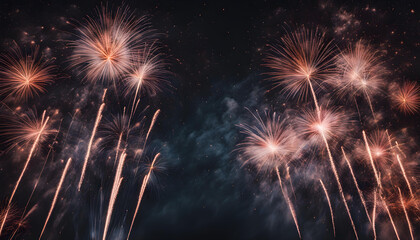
(216, 49)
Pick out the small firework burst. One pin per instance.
(24, 75)
(105, 45)
(26, 128)
(361, 71)
(269, 143)
(330, 123)
(406, 98)
(147, 73)
(302, 59)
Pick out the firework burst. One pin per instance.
(23, 76)
(269, 143)
(105, 45)
(303, 58)
(330, 123)
(361, 72)
(406, 98)
(147, 73)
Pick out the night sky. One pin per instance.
(202, 189)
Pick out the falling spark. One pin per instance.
(24, 76)
(406, 215)
(405, 175)
(44, 122)
(374, 214)
(4, 219)
(338, 182)
(390, 216)
(143, 188)
(355, 183)
(152, 124)
(292, 210)
(329, 204)
(98, 119)
(115, 188)
(56, 195)
(399, 149)
(118, 148)
(290, 181)
(378, 181)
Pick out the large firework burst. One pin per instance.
(301, 59)
(106, 44)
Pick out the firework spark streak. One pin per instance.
(374, 214)
(118, 148)
(378, 180)
(115, 188)
(355, 183)
(399, 149)
(56, 195)
(406, 215)
(340, 188)
(390, 216)
(329, 204)
(405, 175)
(143, 188)
(44, 122)
(152, 124)
(98, 119)
(292, 210)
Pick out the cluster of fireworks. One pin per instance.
(114, 48)
(304, 64)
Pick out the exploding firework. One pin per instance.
(361, 72)
(301, 60)
(106, 44)
(147, 73)
(23, 76)
(268, 144)
(331, 123)
(406, 98)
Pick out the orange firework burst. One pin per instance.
(303, 58)
(379, 146)
(24, 130)
(106, 45)
(361, 71)
(22, 76)
(268, 144)
(330, 123)
(147, 73)
(406, 98)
